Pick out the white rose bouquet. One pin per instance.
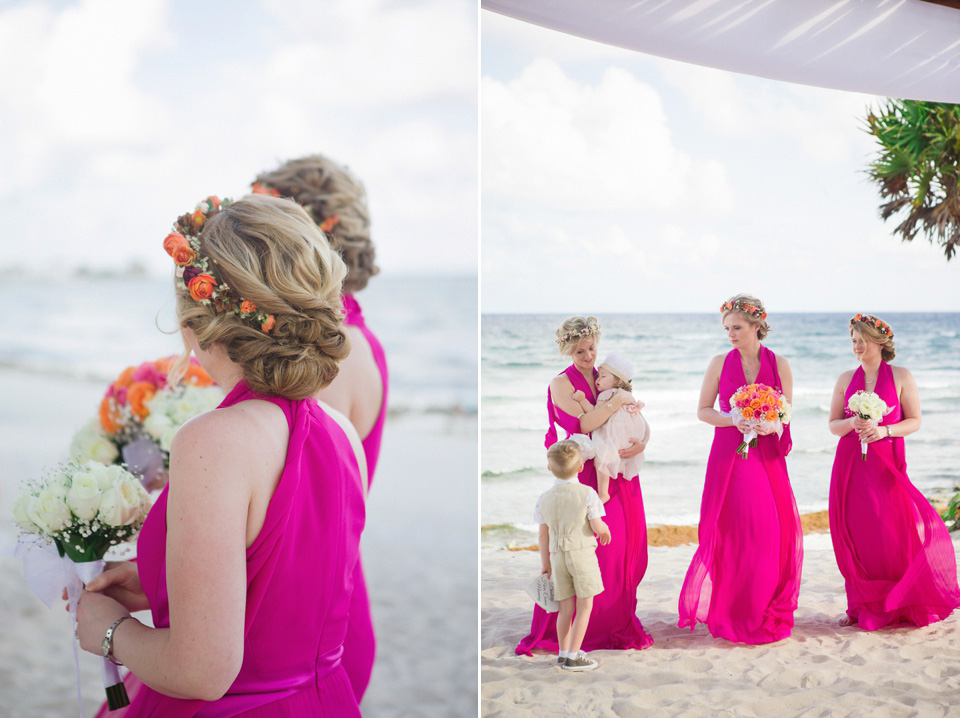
(82, 510)
(867, 405)
(140, 413)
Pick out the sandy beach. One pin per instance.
(822, 670)
(420, 564)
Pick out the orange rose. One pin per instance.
(259, 188)
(247, 307)
(106, 416)
(269, 324)
(329, 223)
(755, 404)
(196, 376)
(139, 393)
(183, 256)
(125, 378)
(202, 286)
(771, 415)
(174, 240)
(198, 218)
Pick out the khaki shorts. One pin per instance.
(575, 573)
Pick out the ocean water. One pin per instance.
(91, 327)
(518, 358)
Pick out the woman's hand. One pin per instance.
(636, 447)
(121, 582)
(867, 431)
(95, 614)
(744, 426)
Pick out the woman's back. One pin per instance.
(295, 619)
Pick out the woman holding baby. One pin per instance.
(623, 562)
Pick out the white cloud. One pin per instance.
(738, 106)
(119, 120)
(554, 142)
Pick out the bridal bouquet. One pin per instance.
(867, 405)
(83, 509)
(140, 413)
(761, 406)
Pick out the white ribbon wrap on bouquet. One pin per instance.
(47, 574)
(737, 417)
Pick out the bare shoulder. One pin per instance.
(561, 383)
(716, 363)
(241, 436)
(782, 361)
(844, 379)
(900, 373)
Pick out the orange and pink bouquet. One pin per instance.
(140, 413)
(761, 406)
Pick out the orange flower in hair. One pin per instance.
(260, 188)
(195, 271)
(202, 286)
(329, 223)
(174, 240)
(183, 255)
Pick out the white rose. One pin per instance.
(20, 516)
(106, 476)
(120, 505)
(92, 444)
(84, 495)
(157, 425)
(48, 512)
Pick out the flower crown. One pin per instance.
(326, 225)
(577, 334)
(877, 324)
(743, 307)
(195, 274)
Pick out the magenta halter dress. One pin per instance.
(360, 646)
(744, 579)
(892, 547)
(623, 562)
(296, 619)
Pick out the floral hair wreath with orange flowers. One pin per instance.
(326, 226)
(878, 324)
(744, 308)
(194, 272)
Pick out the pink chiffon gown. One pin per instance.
(613, 621)
(360, 645)
(744, 579)
(296, 620)
(892, 547)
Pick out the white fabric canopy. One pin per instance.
(897, 48)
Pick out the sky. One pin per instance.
(118, 116)
(613, 181)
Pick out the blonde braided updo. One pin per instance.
(270, 252)
(337, 201)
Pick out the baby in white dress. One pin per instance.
(626, 423)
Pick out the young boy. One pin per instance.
(569, 514)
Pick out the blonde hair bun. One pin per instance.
(270, 252)
(336, 200)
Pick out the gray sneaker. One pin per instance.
(561, 660)
(581, 663)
